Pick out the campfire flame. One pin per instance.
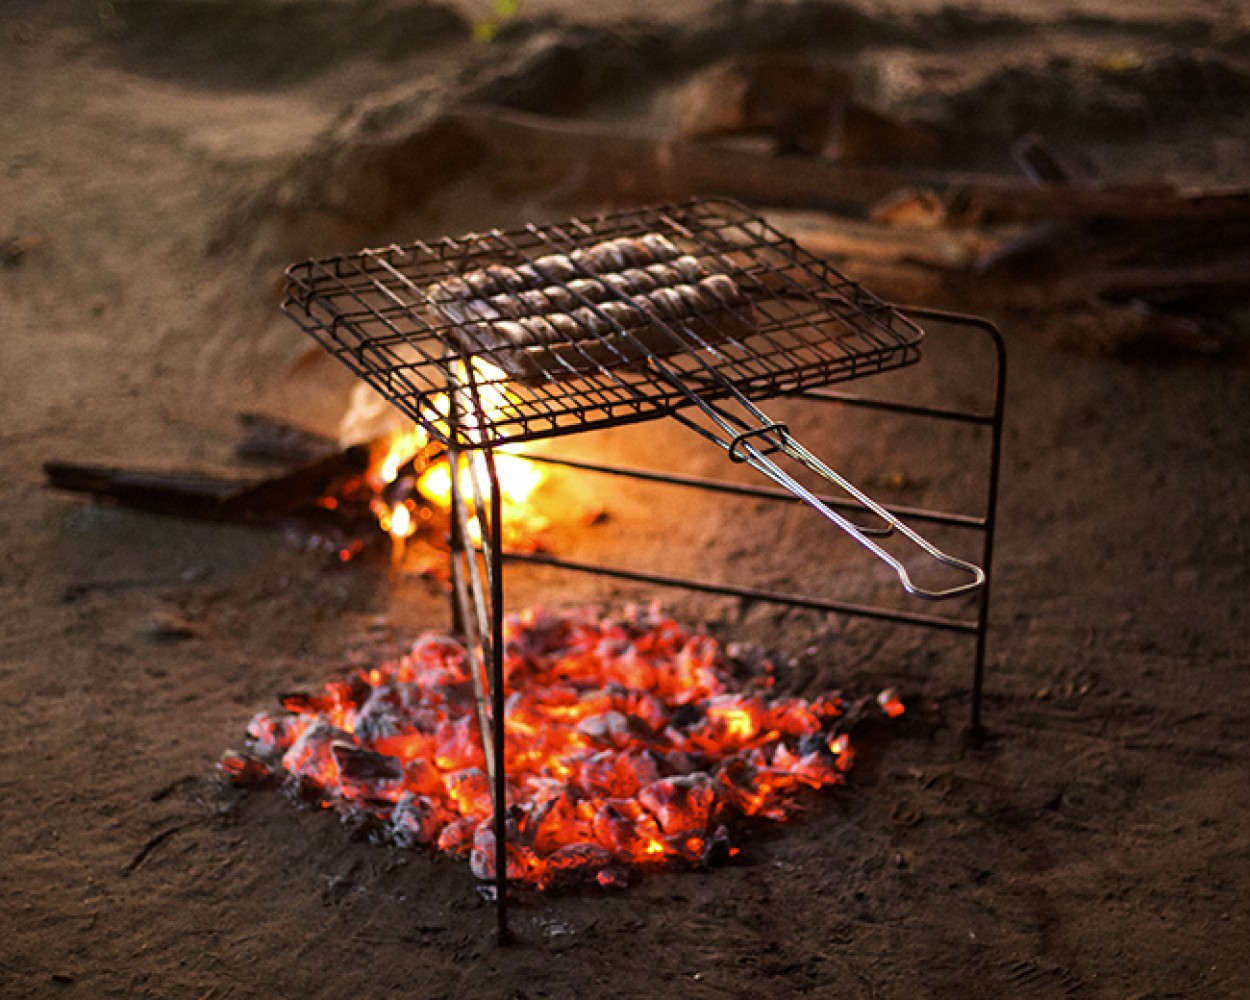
(410, 473)
(629, 744)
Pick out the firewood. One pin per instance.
(189, 494)
(270, 439)
(205, 496)
(280, 495)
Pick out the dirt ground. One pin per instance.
(1098, 846)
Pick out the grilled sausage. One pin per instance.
(578, 304)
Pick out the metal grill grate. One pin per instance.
(811, 326)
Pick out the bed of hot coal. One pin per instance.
(632, 743)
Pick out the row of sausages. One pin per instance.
(620, 254)
(636, 281)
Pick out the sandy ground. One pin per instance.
(1098, 846)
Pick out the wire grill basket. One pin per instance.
(809, 326)
(794, 324)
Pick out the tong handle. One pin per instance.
(743, 449)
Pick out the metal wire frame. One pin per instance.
(811, 327)
(983, 521)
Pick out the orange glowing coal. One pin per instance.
(629, 745)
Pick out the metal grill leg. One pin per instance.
(492, 545)
(977, 727)
(456, 547)
(477, 612)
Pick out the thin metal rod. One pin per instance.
(489, 619)
(468, 604)
(456, 542)
(906, 409)
(746, 593)
(744, 490)
(489, 505)
(467, 587)
(801, 454)
(494, 558)
(991, 494)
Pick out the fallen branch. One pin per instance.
(188, 494)
(576, 158)
(270, 439)
(205, 496)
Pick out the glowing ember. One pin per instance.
(629, 744)
(890, 703)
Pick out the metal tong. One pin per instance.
(754, 439)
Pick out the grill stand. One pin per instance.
(477, 592)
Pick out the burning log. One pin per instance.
(279, 496)
(399, 483)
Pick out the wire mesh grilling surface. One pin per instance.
(377, 312)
